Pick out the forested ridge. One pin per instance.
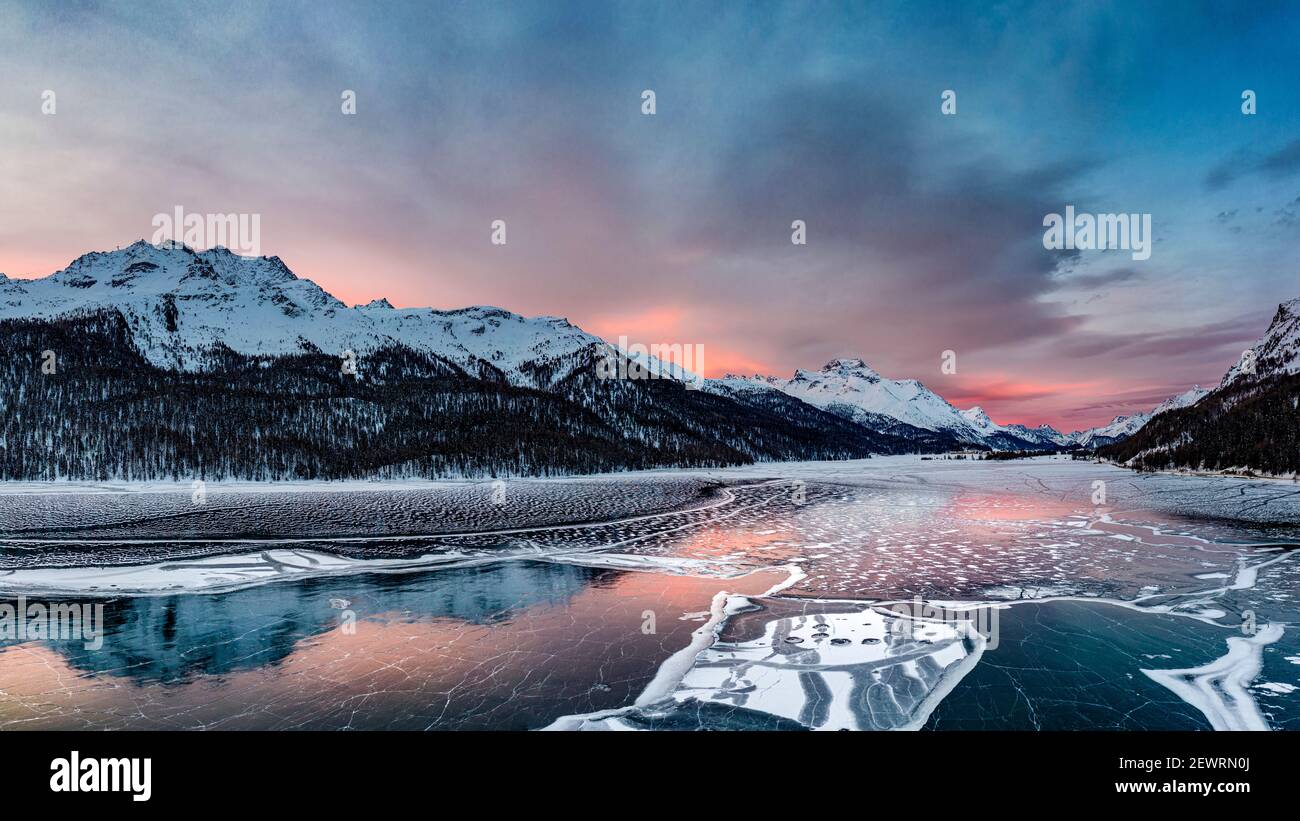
(1250, 423)
(105, 412)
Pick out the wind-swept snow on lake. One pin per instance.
(770, 596)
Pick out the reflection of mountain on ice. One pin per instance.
(171, 638)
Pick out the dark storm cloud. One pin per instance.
(902, 209)
(1214, 343)
(1280, 163)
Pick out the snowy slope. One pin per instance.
(852, 389)
(179, 303)
(980, 420)
(1279, 351)
(1043, 436)
(1248, 423)
(1188, 397)
(902, 407)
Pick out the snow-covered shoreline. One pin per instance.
(765, 469)
(1249, 474)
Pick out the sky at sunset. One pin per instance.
(924, 230)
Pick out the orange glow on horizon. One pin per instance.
(1025, 401)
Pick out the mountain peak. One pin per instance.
(847, 364)
(180, 305)
(979, 420)
(1278, 352)
(168, 265)
(1190, 396)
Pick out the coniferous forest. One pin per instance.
(1250, 424)
(105, 412)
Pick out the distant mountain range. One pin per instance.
(906, 408)
(173, 363)
(1122, 427)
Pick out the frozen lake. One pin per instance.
(891, 593)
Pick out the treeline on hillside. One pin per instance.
(105, 412)
(1007, 455)
(1252, 424)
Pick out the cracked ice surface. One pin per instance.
(863, 670)
(1113, 607)
(513, 645)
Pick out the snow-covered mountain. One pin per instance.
(1043, 436)
(179, 304)
(1121, 427)
(183, 308)
(1188, 397)
(210, 365)
(1278, 352)
(980, 420)
(852, 389)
